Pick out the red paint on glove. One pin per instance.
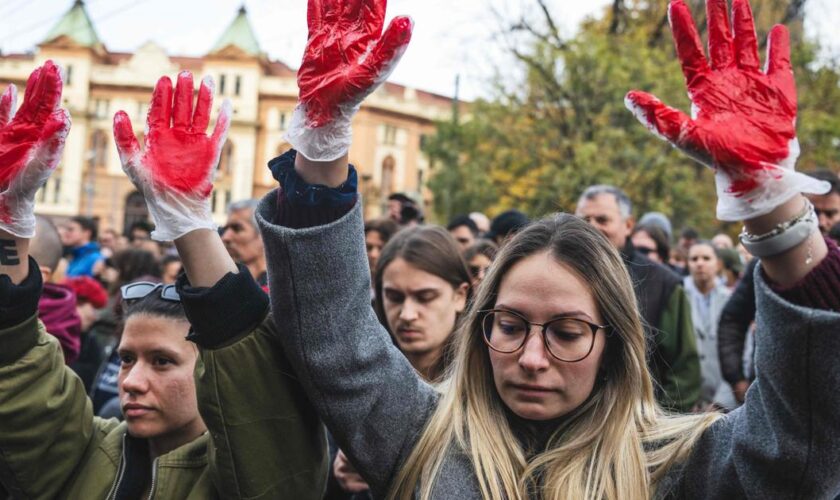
(346, 53)
(37, 130)
(179, 155)
(745, 118)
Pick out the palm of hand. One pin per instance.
(744, 122)
(180, 160)
(346, 54)
(17, 140)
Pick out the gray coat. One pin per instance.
(784, 443)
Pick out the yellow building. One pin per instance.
(388, 130)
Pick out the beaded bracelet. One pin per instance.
(784, 236)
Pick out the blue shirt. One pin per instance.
(83, 259)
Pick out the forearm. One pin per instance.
(204, 257)
(14, 257)
(789, 267)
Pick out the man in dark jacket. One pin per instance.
(673, 361)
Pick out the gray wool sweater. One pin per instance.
(783, 443)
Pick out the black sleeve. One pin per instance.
(734, 323)
(18, 303)
(231, 308)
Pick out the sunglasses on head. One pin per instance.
(136, 291)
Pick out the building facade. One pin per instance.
(388, 130)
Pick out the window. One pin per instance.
(142, 110)
(57, 192)
(237, 85)
(387, 184)
(390, 138)
(68, 74)
(282, 121)
(226, 159)
(222, 85)
(98, 146)
(100, 108)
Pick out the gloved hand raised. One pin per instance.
(743, 122)
(347, 57)
(175, 170)
(31, 143)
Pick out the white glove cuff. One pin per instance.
(327, 143)
(776, 186)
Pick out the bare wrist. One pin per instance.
(327, 173)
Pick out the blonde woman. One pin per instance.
(549, 395)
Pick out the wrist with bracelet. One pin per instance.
(784, 236)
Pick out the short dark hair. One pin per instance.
(462, 220)
(154, 305)
(658, 235)
(386, 228)
(400, 197)
(828, 176)
(481, 247)
(689, 233)
(88, 224)
(142, 225)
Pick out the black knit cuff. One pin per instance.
(228, 310)
(20, 302)
(820, 289)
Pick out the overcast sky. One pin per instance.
(451, 36)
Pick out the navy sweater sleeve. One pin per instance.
(301, 205)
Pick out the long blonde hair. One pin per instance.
(618, 444)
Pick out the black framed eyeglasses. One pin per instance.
(140, 289)
(566, 339)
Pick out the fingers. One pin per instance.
(182, 112)
(127, 145)
(721, 46)
(687, 40)
(351, 10)
(314, 15)
(52, 140)
(29, 91)
(746, 43)
(375, 13)
(201, 117)
(330, 12)
(666, 122)
(8, 102)
(390, 48)
(43, 98)
(779, 68)
(222, 124)
(160, 110)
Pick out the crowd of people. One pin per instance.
(595, 355)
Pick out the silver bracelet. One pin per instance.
(784, 236)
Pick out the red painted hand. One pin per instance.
(346, 54)
(347, 57)
(744, 122)
(175, 170)
(31, 143)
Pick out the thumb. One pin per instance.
(127, 145)
(664, 121)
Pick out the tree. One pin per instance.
(563, 126)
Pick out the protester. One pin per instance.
(377, 233)
(404, 211)
(736, 325)
(722, 241)
(110, 242)
(139, 233)
(478, 258)
(91, 298)
(662, 302)
(688, 237)
(652, 242)
(512, 425)
(505, 225)
(464, 230)
(660, 220)
(57, 303)
(170, 268)
(707, 296)
(827, 205)
(243, 241)
(482, 222)
(78, 235)
(731, 267)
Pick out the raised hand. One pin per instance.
(31, 143)
(347, 57)
(175, 170)
(744, 119)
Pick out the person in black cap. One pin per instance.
(506, 224)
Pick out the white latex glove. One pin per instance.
(744, 119)
(347, 57)
(31, 143)
(175, 170)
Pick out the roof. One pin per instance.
(240, 34)
(76, 25)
